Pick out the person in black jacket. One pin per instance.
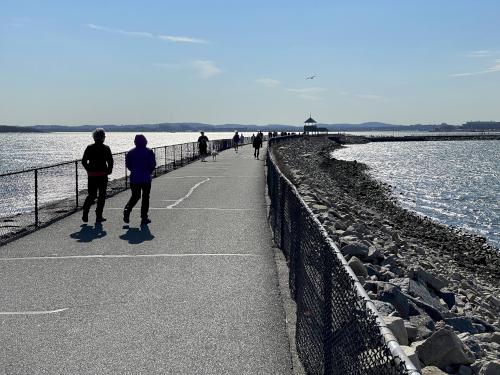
(98, 162)
(257, 144)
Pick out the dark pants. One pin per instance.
(96, 185)
(136, 195)
(256, 152)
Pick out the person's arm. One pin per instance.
(110, 161)
(85, 159)
(152, 161)
(128, 161)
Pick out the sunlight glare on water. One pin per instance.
(456, 183)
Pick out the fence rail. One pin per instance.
(338, 329)
(33, 198)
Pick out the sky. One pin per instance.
(247, 62)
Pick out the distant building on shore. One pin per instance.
(481, 126)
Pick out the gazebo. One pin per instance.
(310, 126)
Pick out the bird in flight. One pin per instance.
(311, 77)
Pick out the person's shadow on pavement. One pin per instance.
(136, 236)
(87, 233)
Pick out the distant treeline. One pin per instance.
(195, 127)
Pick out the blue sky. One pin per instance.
(126, 62)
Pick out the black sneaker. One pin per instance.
(145, 221)
(100, 219)
(126, 217)
(85, 217)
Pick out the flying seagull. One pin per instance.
(311, 77)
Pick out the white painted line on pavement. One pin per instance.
(106, 256)
(32, 312)
(232, 176)
(217, 209)
(194, 208)
(188, 194)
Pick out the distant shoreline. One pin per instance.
(479, 127)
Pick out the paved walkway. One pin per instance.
(195, 292)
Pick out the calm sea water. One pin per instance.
(20, 151)
(455, 183)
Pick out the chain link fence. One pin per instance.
(338, 329)
(34, 198)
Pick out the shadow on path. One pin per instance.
(89, 233)
(136, 236)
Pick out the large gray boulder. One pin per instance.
(442, 349)
(357, 267)
(384, 308)
(397, 327)
(355, 249)
(432, 370)
(392, 294)
(490, 368)
(417, 290)
(437, 282)
(461, 324)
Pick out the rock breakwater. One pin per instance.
(438, 287)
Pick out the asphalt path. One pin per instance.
(194, 292)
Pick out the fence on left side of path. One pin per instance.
(34, 198)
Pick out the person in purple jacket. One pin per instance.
(141, 163)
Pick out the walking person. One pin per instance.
(98, 162)
(202, 145)
(242, 139)
(141, 163)
(257, 144)
(236, 141)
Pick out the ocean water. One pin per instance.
(20, 151)
(456, 183)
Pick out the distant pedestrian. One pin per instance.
(236, 141)
(242, 138)
(202, 145)
(98, 162)
(141, 163)
(257, 144)
(252, 137)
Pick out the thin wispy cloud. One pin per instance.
(268, 82)
(309, 93)
(145, 34)
(492, 69)
(481, 53)
(181, 39)
(206, 68)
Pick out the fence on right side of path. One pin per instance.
(339, 330)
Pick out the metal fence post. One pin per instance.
(76, 182)
(173, 156)
(36, 197)
(165, 153)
